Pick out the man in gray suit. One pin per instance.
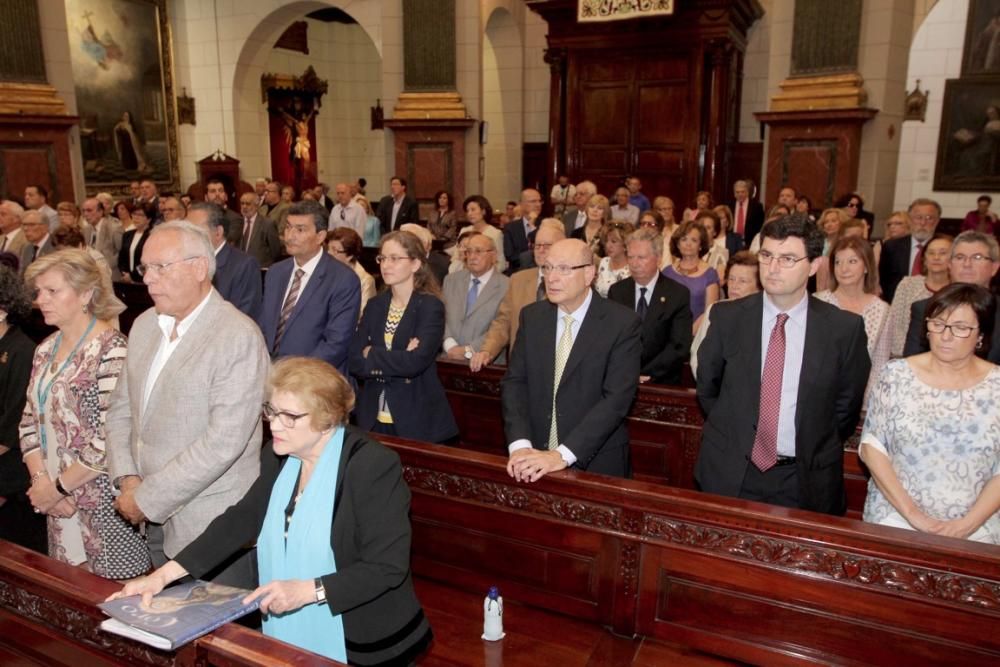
(258, 234)
(108, 232)
(576, 215)
(36, 232)
(471, 298)
(183, 427)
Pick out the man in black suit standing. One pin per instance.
(237, 274)
(781, 378)
(903, 256)
(519, 233)
(748, 214)
(663, 305)
(215, 193)
(397, 208)
(573, 374)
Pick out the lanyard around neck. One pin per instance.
(43, 393)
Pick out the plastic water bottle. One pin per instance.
(493, 615)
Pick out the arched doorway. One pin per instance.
(503, 103)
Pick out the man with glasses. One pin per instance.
(311, 301)
(347, 212)
(903, 256)
(12, 239)
(573, 375)
(781, 379)
(576, 215)
(975, 258)
(183, 426)
(273, 208)
(471, 298)
(258, 234)
(35, 228)
(108, 232)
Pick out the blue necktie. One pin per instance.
(470, 299)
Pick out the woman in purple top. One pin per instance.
(688, 245)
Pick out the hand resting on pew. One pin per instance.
(530, 465)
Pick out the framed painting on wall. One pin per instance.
(981, 54)
(968, 154)
(122, 72)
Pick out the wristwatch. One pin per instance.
(320, 591)
(468, 351)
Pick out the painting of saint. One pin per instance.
(969, 144)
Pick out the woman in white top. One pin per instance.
(614, 265)
(854, 288)
(478, 212)
(345, 245)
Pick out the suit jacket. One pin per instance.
(470, 328)
(324, 317)
(916, 341)
(278, 216)
(522, 290)
(123, 258)
(666, 330)
(439, 262)
(515, 242)
(234, 226)
(197, 443)
(569, 220)
(596, 390)
(408, 212)
(370, 538)
(108, 242)
(28, 248)
(734, 243)
(264, 244)
(409, 379)
(754, 220)
(16, 242)
(894, 264)
(238, 280)
(835, 368)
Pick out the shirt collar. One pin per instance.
(796, 313)
(650, 285)
(311, 265)
(580, 312)
(483, 279)
(41, 243)
(168, 322)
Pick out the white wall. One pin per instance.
(755, 88)
(503, 107)
(935, 55)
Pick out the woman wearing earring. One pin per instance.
(62, 430)
(394, 350)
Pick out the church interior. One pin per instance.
(885, 101)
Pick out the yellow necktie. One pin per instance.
(562, 355)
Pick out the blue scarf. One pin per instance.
(306, 553)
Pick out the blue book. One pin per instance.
(178, 615)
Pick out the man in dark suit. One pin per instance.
(398, 208)
(215, 193)
(975, 258)
(576, 215)
(573, 374)
(903, 256)
(35, 228)
(258, 235)
(748, 214)
(663, 305)
(311, 301)
(237, 275)
(519, 233)
(781, 378)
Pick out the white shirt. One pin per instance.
(309, 268)
(167, 324)
(450, 342)
(649, 290)
(136, 239)
(352, 216)
(8, 239)
(396, 203)
(581, 219)
(629, 213)
(795, 343)
(578, 316)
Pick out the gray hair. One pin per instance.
(972, 236)
(588, 186)
(923, 201)
(741, 182)
(33, 213)
(216, 216)
(654, 238)
(12, 207)
(315, 210)
(194, 240)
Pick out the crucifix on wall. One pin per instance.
(292, 104)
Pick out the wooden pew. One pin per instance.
(735, 579)
(664, 428)
(48, 616)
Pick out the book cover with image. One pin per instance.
(177, 615)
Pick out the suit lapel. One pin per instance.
(589, 330)
(492, 286)
(313, 286)
(404, 331)
(547, 348)
(813, 352)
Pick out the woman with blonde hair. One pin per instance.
(613, 265)
(598, 215)
(394, 351)
(62, 432)
(373, 228)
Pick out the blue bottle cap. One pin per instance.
(494, 593)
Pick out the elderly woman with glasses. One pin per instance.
(331, 523)
(932, 435)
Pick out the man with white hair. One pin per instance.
(259, 187)
(36, 233)
(576, 215)
(183, 426)
(10, 227)
(347, 212)
(108, 232)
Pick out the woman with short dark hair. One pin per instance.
(688, 245)
(932, 435)
(443, 222)
(478, 213)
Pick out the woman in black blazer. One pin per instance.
(395, 348)
(356, 604)
(129, 269)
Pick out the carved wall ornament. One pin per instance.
(590, 11)
(916, 104)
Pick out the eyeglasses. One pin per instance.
(648, 223)
(479, 251)
(391, 259)
(157, 269)
(957, 330)
(975, 259)
(924, 218)
(562, 269)
(543, 246)
(784, 261)
(287, 419)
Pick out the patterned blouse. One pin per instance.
(878, 328)
(606, 276)
(910, 290)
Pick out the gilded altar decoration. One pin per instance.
(616, 10)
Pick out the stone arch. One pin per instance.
(503, 105)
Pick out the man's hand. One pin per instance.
(478, 360)
(127, 507)
(457, 353)
(413, 344)
(281, 597)
(643, 379)
(530, 465)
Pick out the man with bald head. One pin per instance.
(576, 215)
(519, 233)
(573, 374)
(347, 212)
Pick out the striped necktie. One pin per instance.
(562, 356)
(288, 307)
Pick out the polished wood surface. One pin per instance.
(729, 578)
(664, 428)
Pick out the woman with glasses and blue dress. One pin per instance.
(932, 434)
(394, 351)
(331, 521)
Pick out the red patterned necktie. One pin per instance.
(765, 444)
(740, 217)
(918, 261)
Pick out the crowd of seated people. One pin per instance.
(792, 343)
